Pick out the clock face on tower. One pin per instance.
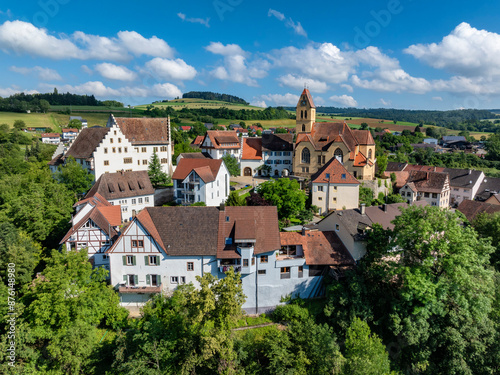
(303, 102)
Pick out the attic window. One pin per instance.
(121, 186)
(111, 188)
(131, 185)
(227, 218)
(343, 176)
(229, 241)
(323, 139)
(141, 185)
(327, 176)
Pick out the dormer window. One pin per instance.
(227, 219)
(229, 241)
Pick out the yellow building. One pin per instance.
(319, 142)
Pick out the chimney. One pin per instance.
(303, 231)
(362, 208)
(222, 207)
(384, 207)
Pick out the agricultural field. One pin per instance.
(90, 108)
(35, 120)
(197, 104)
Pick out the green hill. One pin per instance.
(192, 103)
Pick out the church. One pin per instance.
(318, 142)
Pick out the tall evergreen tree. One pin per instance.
(157, 176)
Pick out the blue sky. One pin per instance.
(396, 53)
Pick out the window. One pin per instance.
(154, 280)
(305, 169)
(320, 188)
(335, 199)
(320, 198)
(132, 280)
(253, 261)
(106, 162)
(264, 259)
(137, 243)
(155, 149)
(140, 200)
(306, 156)
(120, 150)
(343, 176)
(229, 241)
(164, 161)
(335, 188)
(337, 227)
(111, 139)
(339, 155)
(134, 201)
(163, 148)
(125, 149)
(174, 280)
(143, 149)
(119, 140)
(152, 260)
(434, 195)
(146, 199)
(245, 262)
(144, 162)
(138, 162)
(261, 272)
(301, 271)
(285, 273)
(129, 260)
(114, 150)
(369, 154)
(127, 161)
(183, 279)
(190, 266)
(426, 195)
(105, 150)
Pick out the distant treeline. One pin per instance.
(210, 114)
(450, 119)
(207, 95)
(41, 102)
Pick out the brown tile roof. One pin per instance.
(106, 218)
(51, 135)
(58, 160)
(309, 97)
(489, 186)
(277, 142)
(192, 155)
(198, 140)
(70, 130)
(320, 248)
(122, 185)
(95, 200)
(252, 149)
(186, 230)
(401, 177)
(144, 131)
(364, 137)
(86, 142)
(432, 182)
(423, 168)
(219, 137)
(206, 168)
(494, 199)
(264, 219)
(473, 208)
(145, 219)
(360, 160)
(337, 174)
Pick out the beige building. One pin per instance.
(433, 187)
(334, 188)
(319, 142)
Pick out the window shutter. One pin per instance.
(133, 260)
(315, 188)
(157, 260)
(124, 258)
(146, 260)
(148, 279)
(125, 279)
(158, 279)
(136, 280)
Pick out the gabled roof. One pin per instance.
(252, 149)
(106, 218)
(51, 135)
(277, 142)
(58, 160)
(453, 138)
(364, 137)
(207, 169)
(473, 208)
(220, 139)
(192, 155)
(360, 160)
(95, 200)
(144, 131)
(333, 172)
(430, 182)
(401, 177)
(86, 142)
(394, 166)
(464, 178)
(122, 185)
(308, 96)
(198, 140)
(423, 168)
(489, 186)
(320, 248)
(264, 220)
(70, 130)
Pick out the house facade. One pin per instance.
(251, 157)
(51, 138)
(277, 153)
(464, 184)
(433, 187)
(218, 143)
(69, 134)
(334, 188)
(319, 142)
(132, 191)
(201, 180)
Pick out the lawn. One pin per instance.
(35, 120)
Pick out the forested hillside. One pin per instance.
(207, 95)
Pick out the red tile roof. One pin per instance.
(364, 137)
(220, 139)
(308, 95)
(186, 128)
(51, 135)
(198, 140)
(207, 169)
(431, 182)
(71, 130)
(252, 149)
(144, 131)
(95, 200)
(337, 174)
(473, 208)
(320, 248)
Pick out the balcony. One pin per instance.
(285, 275)
(188, 192)
(139, 289)
(224, 269)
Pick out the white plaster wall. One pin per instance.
(127, 207)
(270, 157)
(254, 164)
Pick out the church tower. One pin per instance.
(306, 113)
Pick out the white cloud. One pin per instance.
(259, 103)
(43, 74)
(297, 27)
(347, 87)
(87, 70)
(385, 103)
(287, 100)
(8, 91)
(115, 72)
(344, 100)
(297, 82)
(24, 38)
(166, 90)
(202, 21)
(171, 69)
(465, 51)
(437, 98)
(8, 13)
(236, 68)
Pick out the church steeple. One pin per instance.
(306, 113)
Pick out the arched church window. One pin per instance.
(306, 156)
(303, 127)
(369, 154)
(338, 154)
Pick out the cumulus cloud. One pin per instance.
(236, 67)
(286, 100)
(202, 21)
(385, 103)
(259, 103)
(347, 87)
(171, 69)
(115, 72)
(24, 38)
(297, 27)
(344, 100)
(8, 91)
(437, 98)
(43, 74)
(167, 90)
(298, 82)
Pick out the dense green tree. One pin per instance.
(19, 124)
(76, 178)
(44, 105)
(155, 172)
(488, 226)
(286, 195)
(365, 196)
(493, 146)
(75, 124)
(181, 148)
(232, 164)
(234, 199)
(382, 161)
